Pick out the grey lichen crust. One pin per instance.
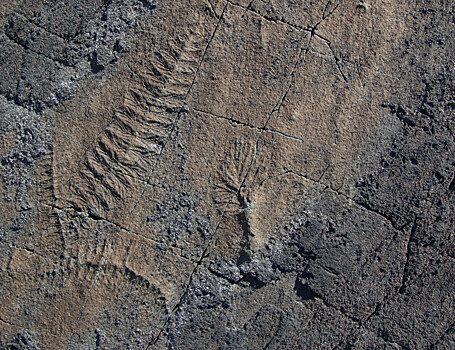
(226, 174)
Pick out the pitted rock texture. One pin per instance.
(213, 174)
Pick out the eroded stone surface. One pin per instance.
(227, 174)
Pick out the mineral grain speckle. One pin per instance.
(227, 174)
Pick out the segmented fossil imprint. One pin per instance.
(127, 149)
(231, 194)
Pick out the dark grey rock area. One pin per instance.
(227, 174)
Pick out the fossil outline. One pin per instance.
(126, 150)
(235, 198)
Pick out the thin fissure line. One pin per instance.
(275, 334)
(116, 225)
(337, 62)
(360, 205)
(324, 16)
(249, 5)
(329, 44)
(159, 157)
(269, 19)
(213, 8)
(55, 60)
(450, 327)
(182, 109)
(9, 323)
(233, 121)
(301, 56)
(213, 238)
(32, 254)
(210, 242)
(205, 51)
(190, 279)
(22, 16)
(256, 150)
(113, 119)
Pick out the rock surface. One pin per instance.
(227, 174)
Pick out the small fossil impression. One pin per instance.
(231, 193)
